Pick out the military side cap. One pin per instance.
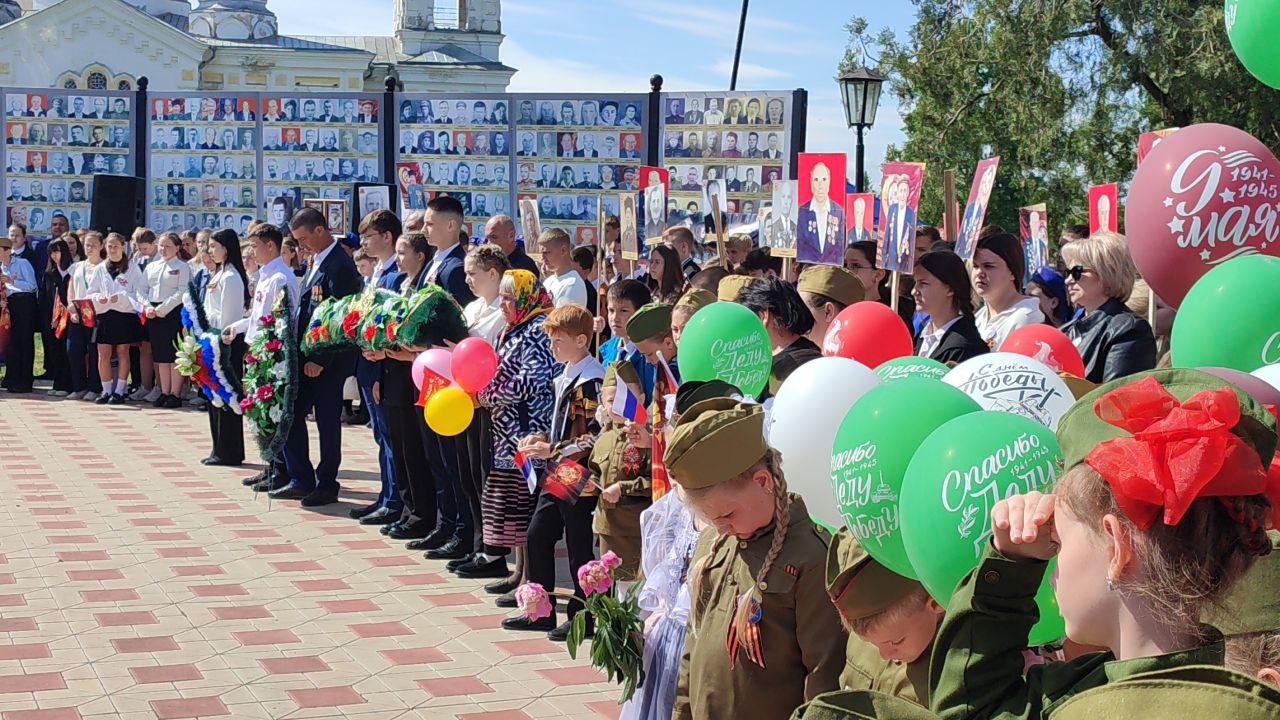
(1192, 691)
(649, 321)
(696, 298)
(857, 583)
(716, 440)
(695, 391)
(727, 290)
(861, 705)
(1078, 386)
(832, 281)
(620, 370)
(1081, 430)
(1254, 604)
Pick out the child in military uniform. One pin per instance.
(764, 636)
(688, 304)
(890, 618)
(622, 472)
(1162, 510)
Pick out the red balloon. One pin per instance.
(869, 332)
(474, 364)
(1206, 194)
(1259, 389)
(1048, 345)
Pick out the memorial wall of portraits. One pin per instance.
(224, 159)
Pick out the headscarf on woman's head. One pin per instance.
(531, 299)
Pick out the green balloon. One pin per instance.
(1251, 26)
(726, 341)
(1231, 317)
(872, 450)
(959, 473)
(911, 367)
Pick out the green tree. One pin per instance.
(1059, 89)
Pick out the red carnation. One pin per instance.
(273, 345)
(265, 392)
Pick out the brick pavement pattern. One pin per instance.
(139, 584)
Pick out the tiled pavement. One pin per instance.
(136, 583)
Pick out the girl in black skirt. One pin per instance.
(167, 278)
(116, 288)
(54, 285)
(226, 300)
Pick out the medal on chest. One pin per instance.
(749, 639)
(316, 294)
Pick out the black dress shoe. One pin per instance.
(420, 544)
(437, 539)
(386, 529)
(173, 401)
(369, 509)
(320, 498)
(255, 479)
(506, 601)
(115, 399)
(523, 623)
(453, 550)
(211, 460)
(494, 569)
(103, 399)
(408, 532)
(289, 492)
(270, 485)
(503, 586)
(561, 632)
(455, 564)
(381, 516)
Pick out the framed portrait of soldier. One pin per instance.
(628, 227)
(370, 197)
(655, 211)
(859, 215)
(1103, 204)
(820, 220)
(783, 219)
(975, 208)
(530, 221)
(1033, 230)
(280, 211)
(899, 198)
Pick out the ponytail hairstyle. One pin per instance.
(1189, 568)
(741, 622)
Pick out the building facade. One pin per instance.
(228, 45)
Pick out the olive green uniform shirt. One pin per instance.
(977, 663)
(801, 636)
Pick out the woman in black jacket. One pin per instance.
(53, 303)
(1113, 341)
(942, 290)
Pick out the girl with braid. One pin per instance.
(763, 635)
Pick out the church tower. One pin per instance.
(233, 19)
(474, 25)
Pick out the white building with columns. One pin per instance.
(435, 45)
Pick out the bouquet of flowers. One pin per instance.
(385, 312)
(271, 379)
(325, 331)
(618, 647)
(200, 356)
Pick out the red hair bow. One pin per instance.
(1179, 451)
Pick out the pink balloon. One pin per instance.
(1259, 389)
(474, 364)
(436, 360)
(1206, 194)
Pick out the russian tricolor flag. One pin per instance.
(526, 469)
(626, 404)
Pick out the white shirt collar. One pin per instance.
(442, 254)
(389, 265)
(318, 259)
(275, 267)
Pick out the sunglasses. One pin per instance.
(1077, 271)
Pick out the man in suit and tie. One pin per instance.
(974, 211)
(332, 274)
(773, 151)
(784, 226)
(857, 232)
(820, 226)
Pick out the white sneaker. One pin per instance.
(153, 395)
(139, 394)
(89, 395)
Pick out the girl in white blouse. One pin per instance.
(226, 299)
(84, 374)
(167, 279)
(115, 287)
(484, 267)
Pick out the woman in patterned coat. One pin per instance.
(521, 400)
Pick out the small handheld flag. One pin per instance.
(566, 481)
(525, 465)
(627, 405)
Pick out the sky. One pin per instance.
(615, 45)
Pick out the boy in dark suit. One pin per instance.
(332, 274)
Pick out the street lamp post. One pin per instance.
(860, 92)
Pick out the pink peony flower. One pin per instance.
(267, 320)
(250, 359)
(265, 392)
(611, 560)
(246, 403)
(594, 578)
(533, 601)
(273, 344)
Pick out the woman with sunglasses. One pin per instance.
(1113, 341)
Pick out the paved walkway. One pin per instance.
(138, 584)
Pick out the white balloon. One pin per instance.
(1012, 383)
(806, 414)
(1270, 374)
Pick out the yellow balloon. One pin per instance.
(449, 411)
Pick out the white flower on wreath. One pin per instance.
(280, 371)
(276, 413)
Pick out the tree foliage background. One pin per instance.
(1059, 89)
